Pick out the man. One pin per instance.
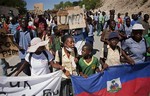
(145, 24)
(22, 38)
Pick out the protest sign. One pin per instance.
(71, 18)
(62, 19)
(76, 19)
(7, 46)
(45, 85)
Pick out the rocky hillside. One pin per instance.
(131, 6)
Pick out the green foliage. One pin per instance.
(89, 4)
(19, 4)
(62, 5)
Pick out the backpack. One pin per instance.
(17, 36)
(27, 68)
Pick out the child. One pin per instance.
(110, 54)
(88, 64)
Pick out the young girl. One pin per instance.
(88, 64)
(66, 57)
(113, 52)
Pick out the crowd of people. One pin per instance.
(44, 47)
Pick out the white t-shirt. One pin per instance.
(39, 63)
(90, 33)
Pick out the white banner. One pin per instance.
(45, 85)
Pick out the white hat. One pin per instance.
(137, 27)
(36, 43)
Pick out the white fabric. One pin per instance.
(31, 86)
(30, 23)
(79, 46)
(90, 33)
(39, 63)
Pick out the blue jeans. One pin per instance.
(5, 66)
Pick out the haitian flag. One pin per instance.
(122, 80)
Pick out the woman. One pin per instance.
(136, 46)
(39, 59)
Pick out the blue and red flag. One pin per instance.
(123, 80)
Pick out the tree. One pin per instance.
(59, 6)
(68, 4)
(19, 4)
(89, 4)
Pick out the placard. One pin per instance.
(71, 18)
(7, 46)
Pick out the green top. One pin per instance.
(88, 68)
(56, 43)
(147, 38)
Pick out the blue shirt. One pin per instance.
(134, 22)
(135, 49)
(128, 30)
(13, 28)
(24, 42)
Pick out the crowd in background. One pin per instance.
(43, 45)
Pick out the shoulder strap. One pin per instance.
(46, 55)
(17, 37)
(119, 49)
(60, 56)
(105, 51)
(31, 34)
(30, 55)
(146, 48)
(123, 30)
(75, 51)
